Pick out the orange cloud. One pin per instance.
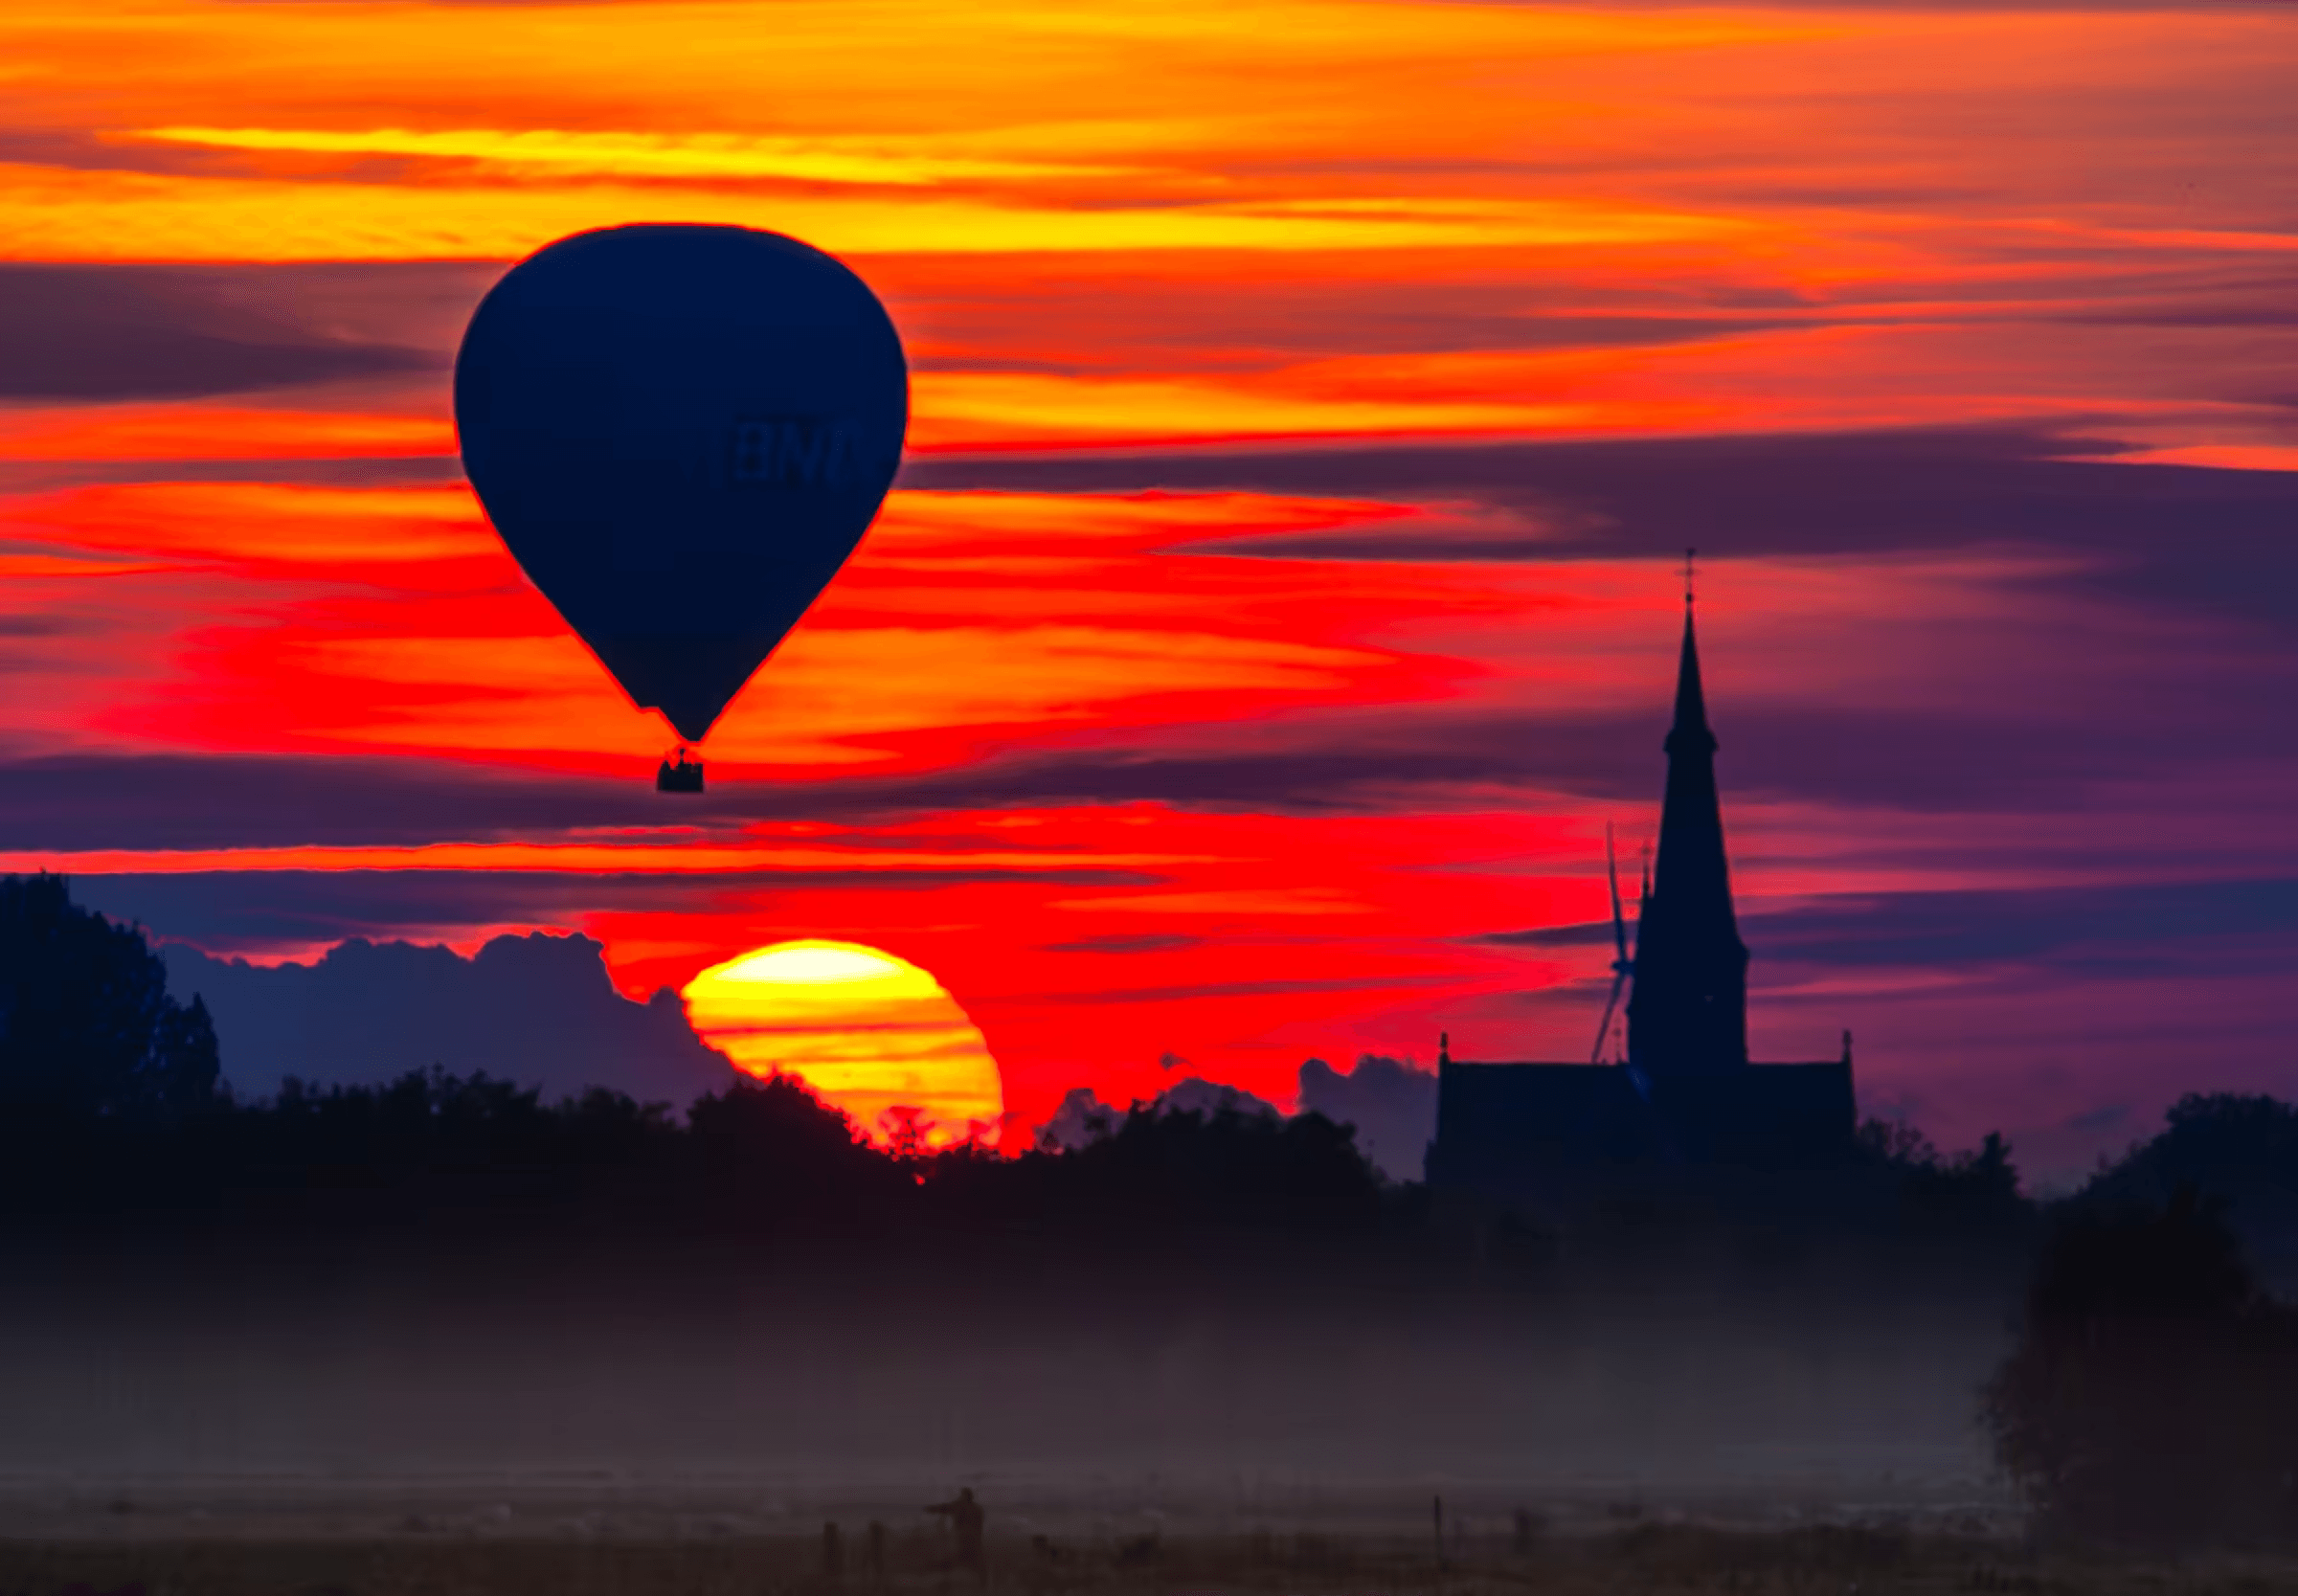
(263, 523)
(216, 431)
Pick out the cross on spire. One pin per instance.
(1689, 554)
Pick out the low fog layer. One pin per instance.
(1212, 1392)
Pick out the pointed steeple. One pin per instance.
(1688, 1012)
(1690, 734)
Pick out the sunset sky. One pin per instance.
(1311, 404)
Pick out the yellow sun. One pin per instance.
(872, 1034)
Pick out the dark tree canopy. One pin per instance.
(2235, 1145)
(87, 1025)
(2152, 1396)
(1177, 1173)
(770, 1152)
(2240, 1148)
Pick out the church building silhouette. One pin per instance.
(1684, 1098)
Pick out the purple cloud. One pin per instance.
(539, 1010)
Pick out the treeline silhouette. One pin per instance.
(468, 1156)
(112, 1107)
(112, 1102)
(2150, 1395)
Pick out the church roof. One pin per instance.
(1496, 1122)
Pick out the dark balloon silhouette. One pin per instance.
(680, 433)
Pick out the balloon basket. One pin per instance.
(684, 776)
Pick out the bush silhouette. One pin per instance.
(2152, 1397)
(1966, 1196)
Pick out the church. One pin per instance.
(1684, 1100)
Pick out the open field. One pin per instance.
(1567, 1560)
(1083, 1507)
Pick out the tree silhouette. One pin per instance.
(2152, 1397)
(906, 1131)
(1178, 1174)
(2238, 1147)
(1963, 1196)
(767, 1152)
(87, 1025)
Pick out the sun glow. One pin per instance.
(872, 1034)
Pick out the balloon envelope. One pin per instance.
(680, 433)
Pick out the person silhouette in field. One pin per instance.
(964, 1515)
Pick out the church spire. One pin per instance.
(1688, 1012)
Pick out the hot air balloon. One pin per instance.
(680, 433)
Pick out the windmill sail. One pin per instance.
(1622, 965)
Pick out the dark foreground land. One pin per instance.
(1630, 1560)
